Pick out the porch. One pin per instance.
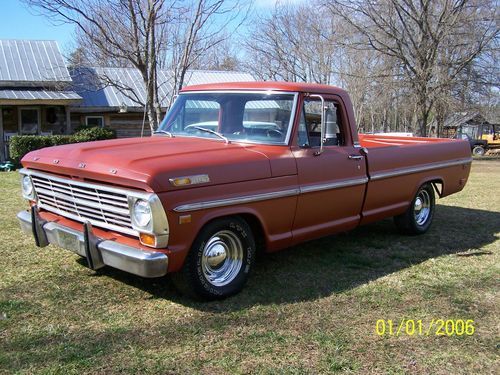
(33, 117)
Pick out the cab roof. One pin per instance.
(268, 86)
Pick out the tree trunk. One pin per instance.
(422, 121)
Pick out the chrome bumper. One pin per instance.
(104, 252)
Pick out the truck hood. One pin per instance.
(148, 163)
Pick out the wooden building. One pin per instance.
(35, 90)
(117, 105)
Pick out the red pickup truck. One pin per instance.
(233, 167)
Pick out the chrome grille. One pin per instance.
(101, 206)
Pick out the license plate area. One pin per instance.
(69, 241)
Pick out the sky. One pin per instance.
(19, 22)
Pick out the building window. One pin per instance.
(51, 115)
(29, 120)
(94, 121)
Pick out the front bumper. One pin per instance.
(99, 252)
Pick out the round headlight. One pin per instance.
(27, 186)
(142, 212)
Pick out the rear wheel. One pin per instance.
(219, 261)
(478, 151)
(418, 217)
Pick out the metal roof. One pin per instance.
(31, 63)
(23, 94)
(93, 85)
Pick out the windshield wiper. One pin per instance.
(212, 132)
(164, 132)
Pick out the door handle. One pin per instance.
(355, 157)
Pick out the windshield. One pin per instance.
(246, 117)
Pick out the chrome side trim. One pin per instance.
(333, 185)
(267, 196)
(422, 168)
(237, 200)
(317, 187)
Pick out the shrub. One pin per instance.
(93, 134)
(20, 145)
(56, 140)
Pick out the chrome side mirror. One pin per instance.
(323, 116)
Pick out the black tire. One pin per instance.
(478, 151)
(219, 261)
(418, 217)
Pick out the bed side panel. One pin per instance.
(396, 171)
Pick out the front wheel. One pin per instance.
(219, 261)
(418, 217)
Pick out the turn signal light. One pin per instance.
(182, 181)
(147, 239)
(190, 180)
(184, 219)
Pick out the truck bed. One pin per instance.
(397, 166)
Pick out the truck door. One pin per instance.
(332, 182)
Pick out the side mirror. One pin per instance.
(323, 117)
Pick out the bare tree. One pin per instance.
(433, 40)
(125, 31)
(294, 43)
(223, 56)
(202, 26)
(146, 35)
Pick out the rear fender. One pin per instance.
(436, 181)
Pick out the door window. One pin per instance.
(310, 124)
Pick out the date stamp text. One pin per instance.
(436, 327)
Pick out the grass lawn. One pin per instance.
(310, 309)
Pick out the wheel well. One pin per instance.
(257, 230)
(255, 226)
(438, 187)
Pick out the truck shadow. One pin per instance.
(342, 262)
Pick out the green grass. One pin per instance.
(310, 309)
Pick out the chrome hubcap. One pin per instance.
(222, 258)
(216, 255)
(422, 207)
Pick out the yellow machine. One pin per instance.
(481, 137)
